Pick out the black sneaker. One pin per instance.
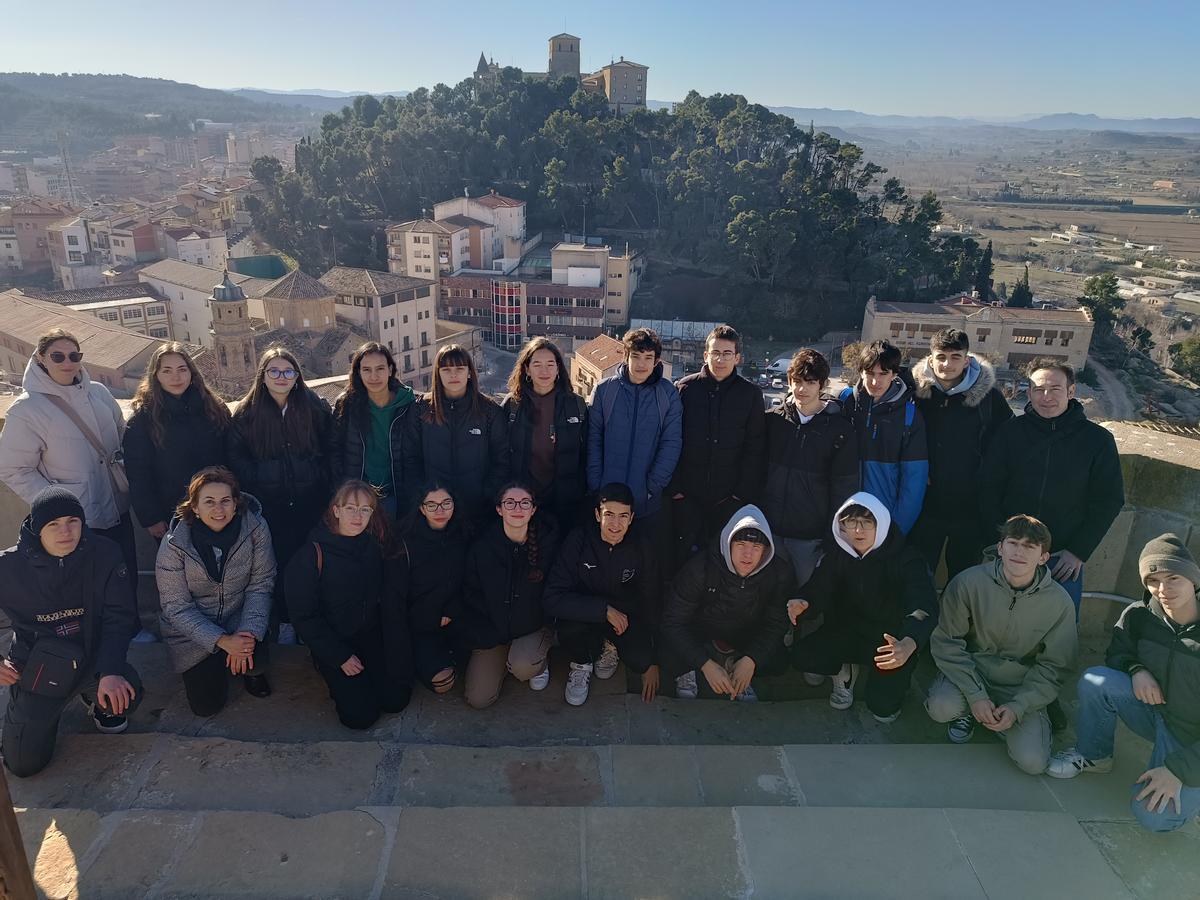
(257, 685)
(105, 722)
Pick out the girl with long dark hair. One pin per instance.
(369, 424)
(279, 447)
(547, 431)
(177, 428)
(458, 436)
(344, 593)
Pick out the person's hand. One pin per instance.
(239, 665)
(893, 654)
(796, 608)
(1146, 689)
(157, 530)
(677, 497)
(1005, 719)
(114, 694)
(1068, 568)
(239, 644)
(1162, 789)
(743, 671)
(445, 621)
(717, 678)
(618, 620)
(650, 681)
(984, 712)
(9, 673)
(353, 666)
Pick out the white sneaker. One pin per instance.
(842, 695)
(887, 720)
(685, 686)
(812, 679)
(1069, 763)
(287, 634)
(538, 682)
(579, 681)
(606, 665)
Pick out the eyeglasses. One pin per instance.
(59, 357)
(445, 506)
(364, 511)
(510, 504)
(857, 524)
(289, 374)
(722, 355)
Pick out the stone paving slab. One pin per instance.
(466, 776)
(141, 851)
(655, 776)
(751, 776)
(1105, 797)
(1154, 866)
(92, 771)
(56, 840)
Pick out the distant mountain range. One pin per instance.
(317, 99)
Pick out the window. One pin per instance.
(108, 315)
(75, 256)
(1065, 338)
(159, 310)
(159, 331)
(618, 294)
(72, 240)
(133, 312)
(306, 324)
(405, 320)
(1024, 339)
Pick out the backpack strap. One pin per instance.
(320, 558)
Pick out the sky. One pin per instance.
(1006, 58)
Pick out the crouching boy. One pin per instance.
(1151, 681)
(1005, 641)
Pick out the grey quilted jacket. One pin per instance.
(197, 611)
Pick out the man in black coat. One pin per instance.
(68, 594)
(603, 594)
(726, 611)
(720, 467)
(1055, 465)
(963, 409)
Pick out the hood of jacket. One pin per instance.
(1042, 579)
(653, 379)
(978, 379)
(749, 516)
(38, 381)
(790, 411)
(883, 521)
(894, 396)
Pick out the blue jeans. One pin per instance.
(1074, 586)
(1105, 694)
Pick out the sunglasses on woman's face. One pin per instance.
(59, 357)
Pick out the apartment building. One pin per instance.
(622, 82)
(189, 289)
(10, 250)
(30, 219)
(75, 263)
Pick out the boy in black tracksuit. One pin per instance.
(64, 587)
(603, 594)
(726, 611)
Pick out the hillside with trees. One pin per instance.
(801, 226)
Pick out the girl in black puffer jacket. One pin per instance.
(437, 549)
(345, 591)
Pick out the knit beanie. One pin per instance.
(1167, 553)
(53, 503)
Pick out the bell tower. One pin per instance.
(232, 337)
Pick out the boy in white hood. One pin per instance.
(879, 606)
(725, 612)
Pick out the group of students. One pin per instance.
(678, 528)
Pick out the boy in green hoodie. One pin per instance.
(1004, 642)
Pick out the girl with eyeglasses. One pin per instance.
(344, 590)
(44, 441)
(215, 572)
(502, 621)
(177, 428)
(437, 548)
(458, 436)
(279, 447)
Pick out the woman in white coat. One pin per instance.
(41, 444)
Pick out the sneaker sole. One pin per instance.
(579, 702)
(963, 739)
(604, 675)
(539, 687)
(111, 729)
(1074, 773)
(841, 705)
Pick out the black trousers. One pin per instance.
(831, 646)
(360, 699)
(122, 535)
(961, 537)
(31, 722)
(775, 663)
(206, 684)
(434, 651)
(584, 642)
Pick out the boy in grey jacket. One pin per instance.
(1004, 642)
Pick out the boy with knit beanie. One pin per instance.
(1151, 680)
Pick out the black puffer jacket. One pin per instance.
(888, 590)
(159, 476)
(468, 453)
(435, 573)
(85, 597)
(350, 452)
(1143, 639)
(723, 439)
(570, 447)
(589, 576)
(959, 427)
(354, 590)
(811, 469)
(708, 600)
(1064, 471)
(500, 602)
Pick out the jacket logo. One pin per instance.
(572, 420)
(627, 575)
(67, 628)
(61, 614)
(474, 431)
(588, 566)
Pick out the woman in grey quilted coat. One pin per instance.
(215, 572)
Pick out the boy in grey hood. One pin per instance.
(1005, 642)
(725, 611)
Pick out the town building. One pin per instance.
(594, 361)
(299, 302)
(10, 250)
(623, 83)
(232, 338)
(564, 55)
(683, 342)
(481, 233)
(188, 287)
(75, 263)
(132, 306)
(198, 246)
(1011, 338)
(132, 242)
(30, 219)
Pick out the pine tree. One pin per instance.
(983, 275)
(1021, 296)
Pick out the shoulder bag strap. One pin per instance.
(70, 413)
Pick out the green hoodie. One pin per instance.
(990, 633)
(377, 463)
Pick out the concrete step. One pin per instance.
(569, 851)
